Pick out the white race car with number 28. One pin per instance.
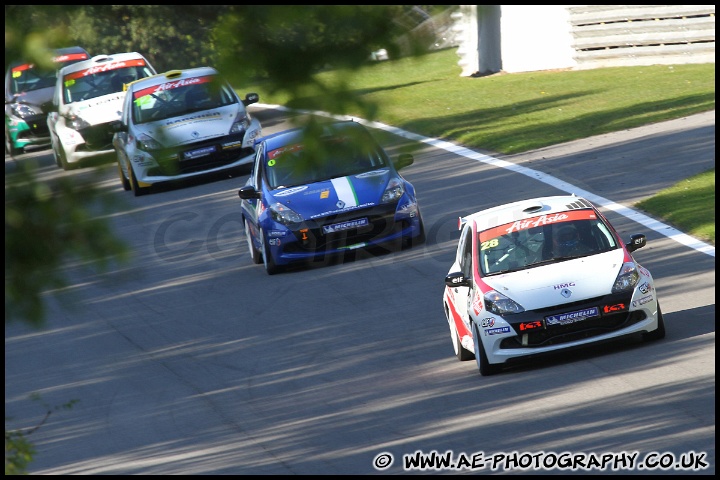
(544, 275)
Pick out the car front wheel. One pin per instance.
(123, 179)
(659, 332)
(255, 256)
(270, 267)
(486, 368)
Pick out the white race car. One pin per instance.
(543, 275)
(181, 124)
(87, 99)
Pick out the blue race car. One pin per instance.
(325, 190)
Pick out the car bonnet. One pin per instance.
(192, 127)
(335, 196)
(561, 282)
(98, 110)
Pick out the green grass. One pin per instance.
(689, 205)
(513, 113)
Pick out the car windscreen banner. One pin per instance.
(70, 57)
(534, 222)
(185, 82)
(104, 68)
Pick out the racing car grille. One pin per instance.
(559, 334)
(173, 162)
(97, 137)
(37, 125)
(381, 223)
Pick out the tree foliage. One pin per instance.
(47, 225)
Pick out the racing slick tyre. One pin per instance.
(137, 189)
(486, 368)
(255, 256)
(123, 179)
(462, 354)
(659, 332)
(270, 267)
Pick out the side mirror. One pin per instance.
(636, 241)
(403, 160)
(457, 279)
(251, 98)
(248, 192)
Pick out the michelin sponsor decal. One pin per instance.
(572, 317)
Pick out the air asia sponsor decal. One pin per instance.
(17, 71)
(572, 317)
(642, 301)
(497, 331)
(70, 57)
(290, 191)
(350, 224)
(105, 67)
(536, 222)
(185, 82)
(374, 173)
(643, 271)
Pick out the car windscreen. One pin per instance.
(540, 240)
(180, 97)
(103, 79)
(331, 157)
(26, 78)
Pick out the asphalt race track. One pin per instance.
(192, 360)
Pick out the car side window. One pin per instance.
(465, 252)
(257, 168)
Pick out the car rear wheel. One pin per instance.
(486, 368)
(659, 332)
(461, 354)
(270, 267)
(255, 256)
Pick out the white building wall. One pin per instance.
(536, 38)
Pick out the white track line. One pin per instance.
(663, 229)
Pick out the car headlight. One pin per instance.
(499, 304)
(76, 123)
(285, 215)
(242, 122)
(21, 110)
(393, 191)
(627, 278)
(147, 143)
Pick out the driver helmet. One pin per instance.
(566, 238)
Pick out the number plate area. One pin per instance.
(347, 225)
(200, 152)
(572, 317)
